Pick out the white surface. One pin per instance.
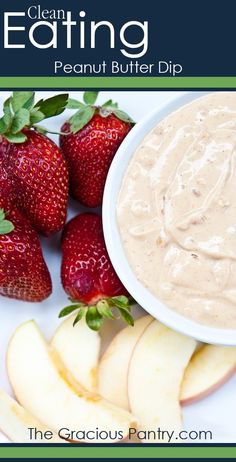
(215, 413)
(114, 243)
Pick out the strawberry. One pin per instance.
(35, 166)
(7, 190)
(39, 172)
(87, 273)
(4, 144)
(93, 135)
(23, 271)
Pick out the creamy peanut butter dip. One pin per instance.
(176, 210)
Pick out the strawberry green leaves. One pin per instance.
(110, 104)
(93, 318)
(6, 226)
(5, 121)
(52, 106)
(74, 104)
(79, 316)
(87, 109)
(20, 120)
(22, 99)
(36, 116)
(104, 308)
(85, 112)
(15, 138)
(123, 116)
(110, 107)
(90, 97)
(69, 309)
(81, 118)
(123, 305)
(20, 111)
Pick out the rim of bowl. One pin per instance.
(113, 241)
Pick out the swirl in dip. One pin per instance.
(176, 210)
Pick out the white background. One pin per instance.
(215, 413)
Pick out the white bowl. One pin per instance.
(114, 244)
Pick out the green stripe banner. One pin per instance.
(117, 82)
(108, 452)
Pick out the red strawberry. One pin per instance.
(95, 135)
(23, 271)
(7, 190)
(4, 144)
(39, 172)
(87, 273)
(35, 166)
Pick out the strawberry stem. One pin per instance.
(95, 314)
(45, 130)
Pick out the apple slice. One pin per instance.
(210, 367)
(15, 422)
(114, 365)
(155, 374)
(44, 388)
(3, 439)
(78, 348)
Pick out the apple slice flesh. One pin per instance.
(114, 365)
(4, 439)
(43, 387)
(78, 348)
(209, 368)
(15, 422)
(155, 374)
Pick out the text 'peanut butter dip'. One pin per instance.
(177, 210)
